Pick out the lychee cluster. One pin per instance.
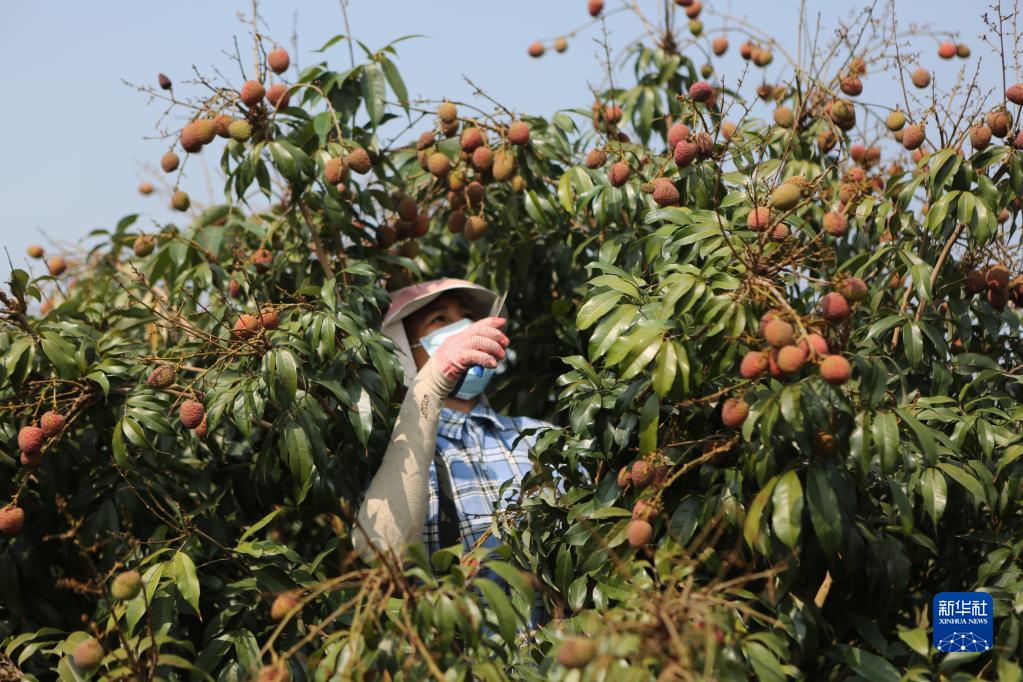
(996, 284)
(248, 325)
(32, 439)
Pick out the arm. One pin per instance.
(393, 511)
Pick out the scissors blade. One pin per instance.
(498, 304)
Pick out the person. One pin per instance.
(450, 453)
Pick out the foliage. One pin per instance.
(807, 543)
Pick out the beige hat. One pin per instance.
(408, 300)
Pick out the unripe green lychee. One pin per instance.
(895, 120)
(191, 413)
(834, 307)
(785, 197)
(282, 604)
(56, 266)
(456, 180)
(88, 654)
(180, 201)
(665, 193)
(619, 173)
(278, 60)
(779, 333)
(762, 57)
(240, 130)
(52, 423)
(843, 113)
(126, 586)
(35, 251)
(734, 412)
(518, 133)
(334, 170)
(921, 77)
(359, 161)
(696, 27)
(12, 520)
(143, 245)
(161, 377)
(31, 439)
(577, 652)
(835, 370)
(791, 359)
(640, 533)
(278, 95)
(753, 364)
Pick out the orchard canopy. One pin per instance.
(776, 325)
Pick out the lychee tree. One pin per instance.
(785, 378)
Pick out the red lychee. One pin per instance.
(52, 423)
(278, 60)
(701, 91)
(640, 533)
(619, 173)
(734, 412)
(278, 95)
(31, 439)
(835, 370)
(169, 162)
(252, 93)
(834, 307)
(753, 365)
(779, 333)
(191, 413)
(518, 133)
(12, 520)
(791, 359)
(947, 50)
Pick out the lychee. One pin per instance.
(895, 120)
(980, 137)
(143, 245)
(1000, 121)
(784, 117)
(913, 136)
(518, 133)
(665, 193)
(12, 520)
(759, 218)
(145, 188)
(685, 153)
(161, 377)
(482, 159)
(962, 51)
(438, 164)
(560, 44)
(814, 342)
(269, 318)
(577, 652)
(677, 133)
(719, 45)
(245, 326)
(791, 359)
(223, 123)
(180, 201)
(165, 83)
(701, 91)
(191, 413)
(88, 654)
(785, 197)
(640, 533)
(1014, 93)
(853, 289)
(334, 170)
(852, 86)
(447, 112)
(997, 298)
(779, 333)
(278, 95)
(734, 412)
(504, 166)
(947, 50)
(35, 251)
(596, 158)
(843, 113)
(619, 173)
(997, 277)
(471, 139)
(835, 370)
(359, 161)
(169, 162)
(262, 259)
(641, 474)
(536, 49)
(475, 228)
(30, 439)
(834, 307)
(126, 586)
(753, 365)
(921, 77)
(835, 223)
(252, 93)
(456, 222)
(56, 266)
(278, 60)
(52, 423)
(282, 604)
(595, 7)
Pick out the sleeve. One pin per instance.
(393, 512)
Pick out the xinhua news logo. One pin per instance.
(963, 621)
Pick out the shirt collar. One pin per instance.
(452, 422)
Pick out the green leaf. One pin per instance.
(298, 456)
(964, 479)
(870, 666)
(185, 578)
(373, 92)
(502, 607)
(825, 511)
(648, 421)
(916, 639)
(597, 307)
(751, 526)
(934, 493)
(665, 367)
(395, 81)
(61, 354)
(787, 501)
(885, 433)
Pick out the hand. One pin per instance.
(481, 343)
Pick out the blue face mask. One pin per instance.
(476, 378)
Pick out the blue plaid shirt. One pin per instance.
(480, 452)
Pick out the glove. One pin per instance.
(481, 343)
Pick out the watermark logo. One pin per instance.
(963, 621)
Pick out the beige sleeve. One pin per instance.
(393, 511)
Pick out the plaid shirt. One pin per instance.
(480, 452)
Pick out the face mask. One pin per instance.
(476, 378)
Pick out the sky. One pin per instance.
(79, 140)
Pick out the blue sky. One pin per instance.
(76, 142)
